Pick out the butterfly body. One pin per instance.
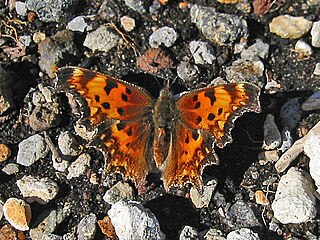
(141, 133)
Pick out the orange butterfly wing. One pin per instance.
(206, 116)
(125, 109)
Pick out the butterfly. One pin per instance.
(140, 133)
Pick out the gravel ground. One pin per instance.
(145, 42)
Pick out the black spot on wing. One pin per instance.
(211, 116)
(128, 91)
(198, 120)
(120, 111)
(220, 110)
(105, 105)
(110, 85)
(130, 132)
(88, 75)
(187, 140)
(195, 136)
(121, 126)
(210, 94)
(198, 104)
(124, 97)
(195, 98)
(97, 98)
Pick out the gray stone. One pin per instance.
(214, 234)
(68, 145)
(255, 52)
(294, 200)
(202, 52)
(188, 72)
(77, 24)
(287, 140)
(165, 36)
(287, 26)
(272, 136)
(290, 113)
(52, 10)
(316, 70)
(41, 190)
(303, 49)
(188, 233)
(120, 191)
(87, 227)
(101, 39)
(127, 23)
(243, 234)
(44, 116)
(51, 236)
(25, 40)
(21, 8)
(315, 34)
(31, 150)
(10, 168)
(132, 221)
(312, 103)
(136, 5)
(203, 199)
(79, 166)
(219, 28)
(109, 10)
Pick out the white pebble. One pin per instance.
(315, 34)
(78, 167)
(77, 24)
(68, 145)
(120, 191)
(243, 234)
(316, 70)
(163, 36)
(303, 48)
(203, 200)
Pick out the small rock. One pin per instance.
(132, 221)
(243, 234)
(256, 52)
(87, 227)
(203, 200)
(38, 37)
(21, 8)
(290, 113)
(7, 232)
(163, 36)
(268, 156)
(315, 34)
(287, 26)
(303, 49)
(312, 103)
(44, 116)
(51, 236)
(261, 198)
(316, 70)
(202, 52)
(25, 40)
(214, 234)
(60, 166)
(5, 152)
(31, 150)
(18, 213)
(241, 215)
(272, 136)
(1, 210)
(107, 227)
(219, 28)
(11, 169)
(53, 49)
(127, 23)
(188, 233)
(84, 132)
(120, 191)
(41, 190)
(287, 140)
(77, 24)
(294, 200)
(101, 39)
(136, 5)
(68, 145)
(78, 167)
(109, 10)
(188, 72)
(52, 10)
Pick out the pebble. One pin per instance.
(51, 236)
(290, 113)
(10, 168)
(5, 152)
(44, 116)
(268, 156)
(84, 132)
(258, 50)
(203, 200)
(316, 70)
(219, 28)
(1, 209)
(261, 198)
(25, 40)
(119, 191)
(188, 233)
(31, 150)
(101, 39)
(107, 227)
(132, 221)
(202, 52)
(165, 36)
(287, 140)
(77, 24)
(6, 97)
(303, 49)
(68, 145)
(109, 10)
(315, 34)
(136, 5)
(18, 213)
(241, 214)
(21, 8)
(294, 200)
(311, 149)
(127, 23)
(214, 234)
(86, 229)
(312, 103)
(79, 166)
(187, 72)
(243, 234)
(287, 26)
(52, 10)
(41, 190)
(272, 136)
(38, 37)
(246, 71)
(52, 49)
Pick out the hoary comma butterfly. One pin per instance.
(176, 136)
